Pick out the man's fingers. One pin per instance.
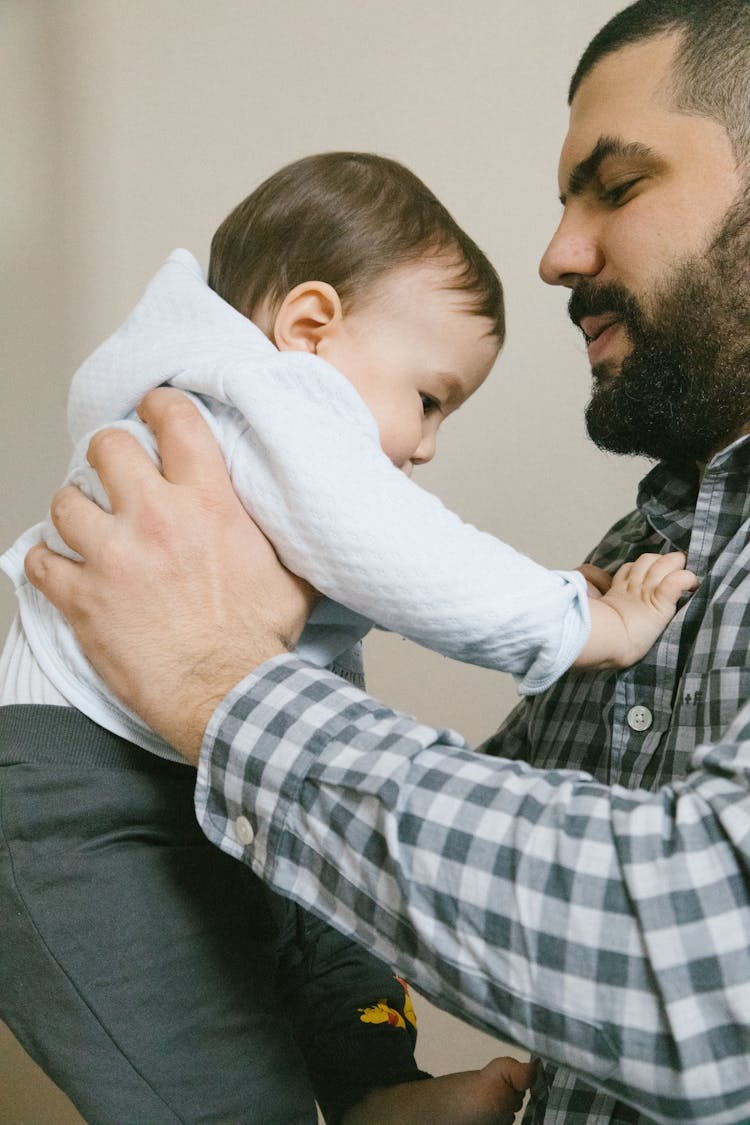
(514, 1073)
(81, 523)
(520, 1075)
(52, 574)
(189, 452)
(122, 464)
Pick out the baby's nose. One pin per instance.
(425, 451)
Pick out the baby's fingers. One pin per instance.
(662, 579)
(671, 588)
(649, 570)
(598, 581)
(652, 570)
(645, 574)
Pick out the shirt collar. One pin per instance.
(668, 496)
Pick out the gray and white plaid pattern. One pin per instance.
(606, 930)
(693, 682)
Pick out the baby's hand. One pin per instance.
(638, 606)
(491, 1096)
(598, 581)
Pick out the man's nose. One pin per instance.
(574, 252)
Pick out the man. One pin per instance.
(602, 923)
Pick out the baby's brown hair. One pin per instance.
(345, 218)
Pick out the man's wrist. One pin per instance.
(219, 807)
(186, 724)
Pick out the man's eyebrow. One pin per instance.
(585, 171)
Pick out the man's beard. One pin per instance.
(683, 393)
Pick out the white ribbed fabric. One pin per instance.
(21, 677)
(304, 456)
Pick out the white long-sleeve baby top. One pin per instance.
(304, 456)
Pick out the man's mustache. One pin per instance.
(590, 298)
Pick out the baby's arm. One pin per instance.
(491, 1096)
(637, 607)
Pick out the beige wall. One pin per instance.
(132, 127)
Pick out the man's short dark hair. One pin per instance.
(711, 74)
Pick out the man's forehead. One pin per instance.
(625, 94)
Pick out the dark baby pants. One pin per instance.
(153, 977)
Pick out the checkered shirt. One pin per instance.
(593, 905)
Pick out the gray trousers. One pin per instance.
(137, 962)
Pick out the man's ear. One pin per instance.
(308, 313)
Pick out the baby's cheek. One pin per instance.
(396, 444)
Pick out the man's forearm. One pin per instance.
(586, 923)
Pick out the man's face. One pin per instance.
(653, 245)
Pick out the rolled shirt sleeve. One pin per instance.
(603, 928)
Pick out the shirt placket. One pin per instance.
(644, 694)
(640, 718)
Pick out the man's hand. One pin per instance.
(179, 595)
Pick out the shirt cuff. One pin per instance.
(575, 630)
(258, 749)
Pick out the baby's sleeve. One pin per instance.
(308, 465)
(305, 458)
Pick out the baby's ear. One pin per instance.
(308, 313)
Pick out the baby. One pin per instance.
(346, 316)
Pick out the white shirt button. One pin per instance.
(639, 717)
(244, 830)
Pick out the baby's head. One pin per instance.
(350, 256)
